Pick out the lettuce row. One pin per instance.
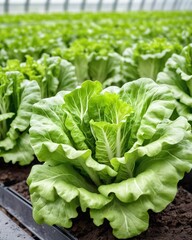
(115, 152)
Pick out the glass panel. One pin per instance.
(159, 4)
(16, 6)
(19, 6)
(107, 5)
(74, 5)
(36, 6)
(136, 5)
(1, 6)
(147, 5)
(169, 5)
(122, 5)
(56, 6)
(91, 5)
(181, 5)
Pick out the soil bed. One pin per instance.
(175, 222)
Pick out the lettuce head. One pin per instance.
(114, 152)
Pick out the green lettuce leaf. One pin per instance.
(22, 85)
(17, 99)
(21, 152)
(66, 186)
(104, 68)
(115, 152)
(147, 58)
(177, 74)
(53, 74)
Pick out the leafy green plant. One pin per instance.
(148, 58)
(22, 85)
(94, 60)
(115, 152)
(35, 34)
(177, 74)
(17, 97)
(53, 74)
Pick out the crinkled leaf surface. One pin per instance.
(21, 152)
(18, 96)
(66, 187)
(123, 152)
(177, 74)
(102, 68)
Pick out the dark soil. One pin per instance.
(11, 174)
(22, 189)
(174, 223)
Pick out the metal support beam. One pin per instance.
(163, 5)
(66, 5)
(99, 5)
(27, 6)
(6, 6)
(47, 5)
(129, 6)
(83, 5)
(142, 5)
(153, 4)
(115, 3)
(174, 6)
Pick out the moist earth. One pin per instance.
(175, 222)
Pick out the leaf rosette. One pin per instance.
(177, 75)
(115, 152)
(147, 58)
